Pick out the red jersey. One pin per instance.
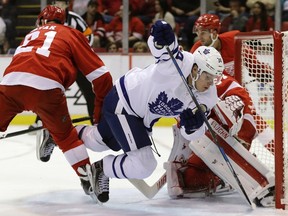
(227, 49)
(114, 28)
(49, 57)
(252, 26)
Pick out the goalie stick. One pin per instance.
(4, 136)
(209, 128)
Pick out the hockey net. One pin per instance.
(261, 65)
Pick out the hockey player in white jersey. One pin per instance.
(140, 98)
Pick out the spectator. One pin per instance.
(136, 29)
(140, 47)
(285, 11)
(270, 5)
(222, 8)
(9, 15)
(109, 9)
(79, 6)
(259, 20)
(95, 21)
(144, 10)
(186, 13)
(112, 47)
(2, 34)
(237, 18)
(162, 9)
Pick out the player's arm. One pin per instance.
(161, 35)
(94, 69)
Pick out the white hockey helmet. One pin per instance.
(208, 59)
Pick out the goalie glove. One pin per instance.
(191, 120)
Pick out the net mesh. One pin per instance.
(257, 71)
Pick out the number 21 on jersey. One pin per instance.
(29, 38)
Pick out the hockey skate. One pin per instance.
(85, 183)
(100, 182)
(268, 200)
(84, 172)
(45, 148)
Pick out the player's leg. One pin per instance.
(52, 109)
(45, 143)
(8, 108)
(86, 89)
(137, 161)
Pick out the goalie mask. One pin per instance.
(51, 13)
(208, 60)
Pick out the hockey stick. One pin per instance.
(4, 136)
(209, 128)
(149, 191)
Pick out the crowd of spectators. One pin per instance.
(7, 25)
(105, 19)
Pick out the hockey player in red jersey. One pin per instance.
(187, 173)
(207, 27)
(42, 68)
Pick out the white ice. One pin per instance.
(29, 187)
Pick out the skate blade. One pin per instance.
(91, 189)
(94, 197)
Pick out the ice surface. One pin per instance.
(29, 187)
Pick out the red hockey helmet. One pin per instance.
(207, 22)
(51, 13)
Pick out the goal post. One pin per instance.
(261, 66)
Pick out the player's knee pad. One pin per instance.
(91, 138)
(143, 162)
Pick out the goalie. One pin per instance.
(198, 168)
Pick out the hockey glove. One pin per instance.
(191, 120)
(162, 33)
(236, 105)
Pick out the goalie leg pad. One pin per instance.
(180, 151)
(174, 183)
(254, 176)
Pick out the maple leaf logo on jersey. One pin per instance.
(206, 51)
(164, 107)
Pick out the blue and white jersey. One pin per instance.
(158, 90)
